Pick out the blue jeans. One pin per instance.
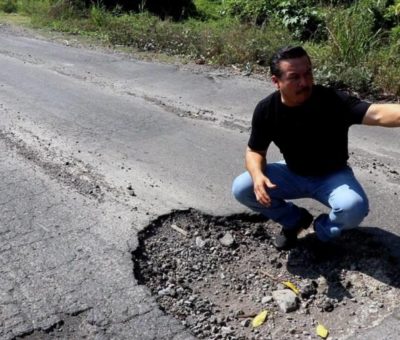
(340, 191)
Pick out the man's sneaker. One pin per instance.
(324, 231)
(287, 238)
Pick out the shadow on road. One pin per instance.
(367, 250)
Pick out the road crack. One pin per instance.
(80, 178)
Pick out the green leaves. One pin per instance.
(299, 17)
(8, 6)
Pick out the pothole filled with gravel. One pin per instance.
(215, 274)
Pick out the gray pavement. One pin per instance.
(78, 127)
(389, 329)
(57, 267)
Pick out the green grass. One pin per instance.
(15, 19)
(210, 9)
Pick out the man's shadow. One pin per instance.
(367, 250)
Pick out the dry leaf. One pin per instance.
(291, 286)
(322, 331)
(259, 319)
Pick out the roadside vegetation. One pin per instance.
(354, 44)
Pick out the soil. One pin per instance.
(216, 289)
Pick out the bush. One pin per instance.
(32, 7)
(132, 30)
(359, 79)
(351, 36)
(209, 9)
(176, 9)
(99, 16)
(67, 9)
(303, 21)
(384, 64)
(8, 6)
(255, 11)
(217, 42)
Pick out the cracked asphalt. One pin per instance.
(59, 269)
(94, 146)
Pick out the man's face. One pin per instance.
(296, 81)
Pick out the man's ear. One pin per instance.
(275, 81)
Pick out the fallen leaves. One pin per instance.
(322, 331)
(259, 319)
(291, 286)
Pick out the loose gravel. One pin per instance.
(216, 273)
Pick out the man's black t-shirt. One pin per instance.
(312, 137)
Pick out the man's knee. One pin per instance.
(351, 210)
(242, 187)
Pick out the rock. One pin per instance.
(266, 299)
(373, 309)
(246, 323)
(200, 242)
(237, 313)
(167, 291)
(286, 300)
(214, 329)
(328, 306)
(322, 285)
(227, 240)
(309, 289)
(213, 319)
(226, 330)
(280, 286)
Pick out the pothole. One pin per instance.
(215, 273)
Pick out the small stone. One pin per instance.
(167, 291)
(286, 300)
(322, 285)
(245, 323)
(266, 299)
(328, 306)
(227, 240)
(238, 313)
(226, 330)
(308, 290)
(373, 310)
(200, 242)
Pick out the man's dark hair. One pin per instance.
(285, 53)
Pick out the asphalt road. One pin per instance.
(96, 144)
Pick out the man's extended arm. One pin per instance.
(387, 115)
(255, 164)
